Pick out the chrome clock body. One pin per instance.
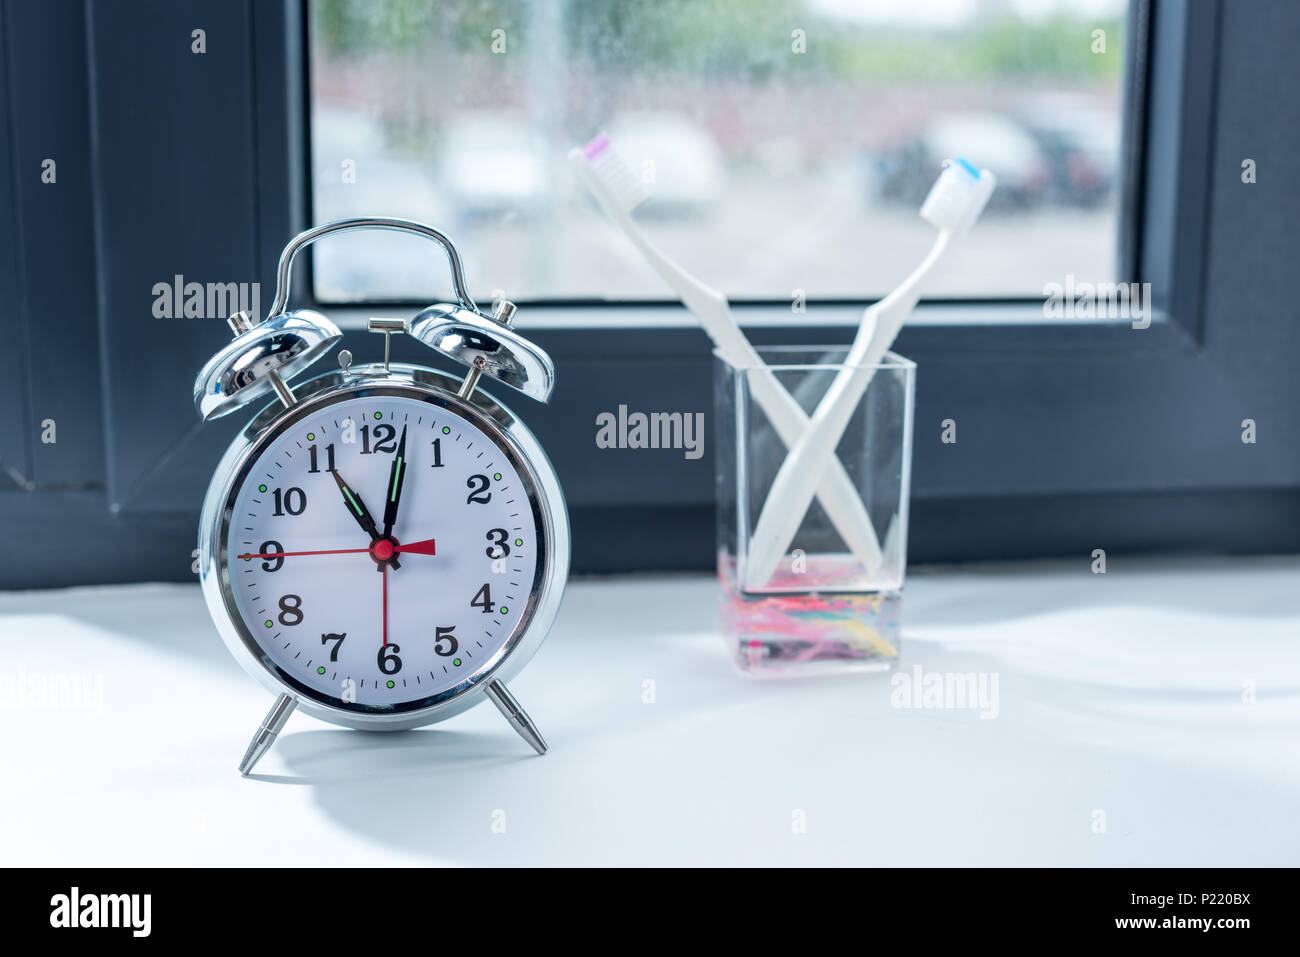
(437, 389)
(259, 364)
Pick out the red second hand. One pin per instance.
(327, 551)
(425, 547)
(385, 606)
(417, 548)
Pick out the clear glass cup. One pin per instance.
(823, 609)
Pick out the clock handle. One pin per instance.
(309, 236)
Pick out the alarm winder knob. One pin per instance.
(389, 328)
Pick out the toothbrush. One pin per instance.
(619, 191)
(954, 203)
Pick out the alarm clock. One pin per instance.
(385, 545)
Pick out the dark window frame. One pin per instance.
(1163, 241)
(1071, 436)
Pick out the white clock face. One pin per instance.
(383, 550)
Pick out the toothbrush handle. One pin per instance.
(792, 490)
(836, 491)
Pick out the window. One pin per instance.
(1074, 435)
(788, 145)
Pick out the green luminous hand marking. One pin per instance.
(397, 473)
(355, 507)
(395, 477)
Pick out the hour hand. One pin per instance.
(357, 509)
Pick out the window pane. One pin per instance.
(788, 145)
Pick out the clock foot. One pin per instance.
(271, 725)
(516, 715)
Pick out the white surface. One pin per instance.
(1120, 693)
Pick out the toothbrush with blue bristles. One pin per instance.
(954, 203)
(619, 191)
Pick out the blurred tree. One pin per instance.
(739, 38)
(1059, 48)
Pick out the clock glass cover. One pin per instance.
(382, 551)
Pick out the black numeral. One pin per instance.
(499, 547)
(271, 548)
(292, 502)
(291, 610)
(337, 639)
(437, 454)
(446, 643)
(478, 493)
(388, 661)
(385, 439)
(483, 599)
(329, 458)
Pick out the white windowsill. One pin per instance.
(1122, 693)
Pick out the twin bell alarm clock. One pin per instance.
(383, 546)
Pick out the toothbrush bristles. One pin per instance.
(599, 143)
(958, 195)
(615, 173)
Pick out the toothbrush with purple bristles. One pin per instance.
(619, 191)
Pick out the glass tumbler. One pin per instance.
(826, 607)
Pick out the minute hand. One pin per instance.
(396, 476)
(357, 509)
